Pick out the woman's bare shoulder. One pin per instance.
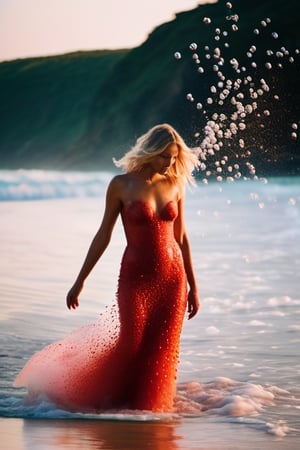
(120, 181)
(120, 184)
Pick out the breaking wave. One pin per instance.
(19, 185)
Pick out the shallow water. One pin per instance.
(238, 379)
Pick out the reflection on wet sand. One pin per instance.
(125, 434)
(99, 434)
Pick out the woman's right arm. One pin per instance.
(100, 241)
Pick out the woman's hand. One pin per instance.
(72, 296)
(193, 304)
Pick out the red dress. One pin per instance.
(128, 359)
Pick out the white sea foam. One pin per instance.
(278, 429)
(257, 323)
(283, 301)
(223, 396)
(212, 330)
(41, 184)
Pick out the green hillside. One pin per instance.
(77, 111)
(45, 104)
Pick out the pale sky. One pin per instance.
(50, 27)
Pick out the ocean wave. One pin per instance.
(240, 402)
(19, 185)
(22, 185)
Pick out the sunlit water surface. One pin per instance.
(238, 378)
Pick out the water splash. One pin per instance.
(243, 96)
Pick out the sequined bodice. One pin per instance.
(151, 244)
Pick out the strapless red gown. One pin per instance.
(128, 359)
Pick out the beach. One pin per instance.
(238, 377)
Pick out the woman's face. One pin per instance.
(162, 162)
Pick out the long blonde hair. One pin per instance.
(153, 143)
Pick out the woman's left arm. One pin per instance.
(184, 244)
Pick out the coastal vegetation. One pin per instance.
(77, 111)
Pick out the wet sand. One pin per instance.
(29, 434)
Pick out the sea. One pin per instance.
(238, 384)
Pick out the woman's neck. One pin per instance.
(150, 176)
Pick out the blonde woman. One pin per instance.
(134, 366)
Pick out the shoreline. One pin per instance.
(42, 434)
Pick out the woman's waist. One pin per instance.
(154, 254)
(157, 246)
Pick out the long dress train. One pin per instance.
(128, 359)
